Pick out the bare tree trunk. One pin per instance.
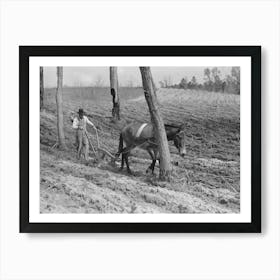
(154, 86)
(114, 92)
(61, 137)
(164, 154)
(41, 88)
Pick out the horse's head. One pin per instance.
(179, 142)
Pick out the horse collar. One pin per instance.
(140, 129)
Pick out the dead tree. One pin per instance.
(60, 129)
(114, 92)
(150, 95)
(41, 88)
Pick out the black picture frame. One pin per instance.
(25, 52)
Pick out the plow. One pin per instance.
(99, 148)
(105, 151)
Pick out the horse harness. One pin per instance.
(140, 129)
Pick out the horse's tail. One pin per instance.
(120, 146)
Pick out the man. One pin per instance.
(80, 124)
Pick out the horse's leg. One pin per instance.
(122, 162)
(126, 162)
(151, 167)
(154, 160)
(120, 150)
(125, 152)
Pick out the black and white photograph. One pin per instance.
(115, 142)
(140, 139)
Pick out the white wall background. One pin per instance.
(124, 256)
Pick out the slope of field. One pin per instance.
(205, 181)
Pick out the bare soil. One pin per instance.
(205, 181)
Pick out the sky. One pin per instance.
(89, 76)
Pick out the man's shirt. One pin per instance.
(81, 123)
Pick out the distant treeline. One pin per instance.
(212, 81)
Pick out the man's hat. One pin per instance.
(81, 111)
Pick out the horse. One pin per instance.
(143, 136)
